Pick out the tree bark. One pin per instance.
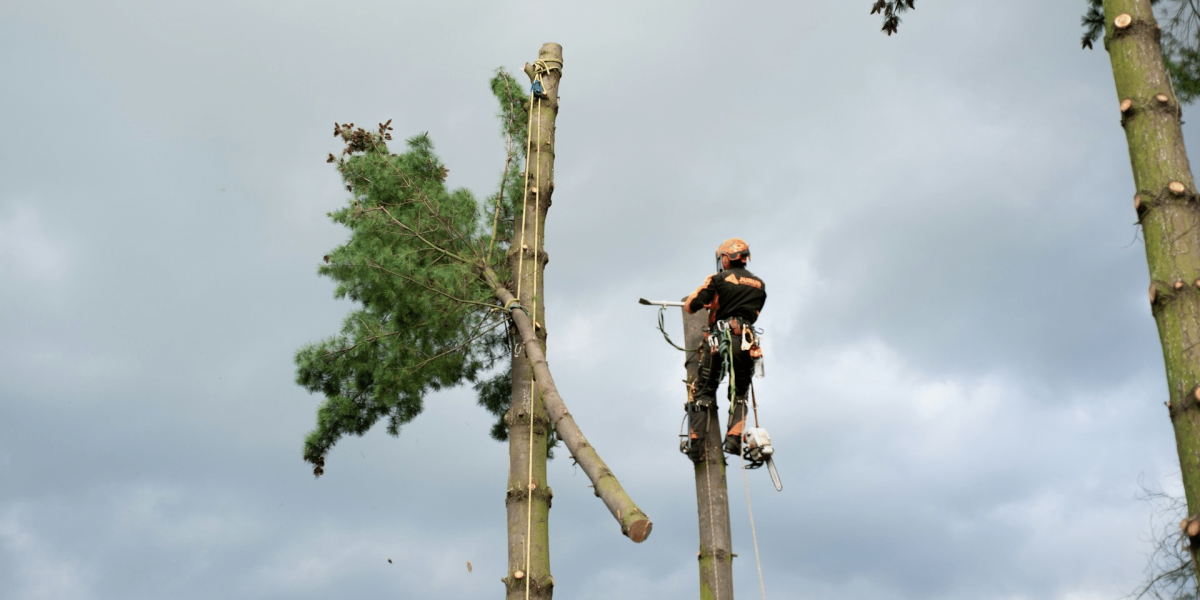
(1167, 210)
(634, 523)
(528, 497)
(535, 398)
(712, 496)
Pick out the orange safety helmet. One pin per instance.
(732, 250)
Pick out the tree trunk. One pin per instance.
(712, 497)
(528, 497)
(1166, 205)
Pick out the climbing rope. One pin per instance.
(662, 310)
(753, 533)
(536, 97)
(742, 451)
(542, 66)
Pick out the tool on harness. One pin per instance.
(756, 443)
(757, 448)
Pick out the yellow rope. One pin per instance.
(541, 66)
(533, 318)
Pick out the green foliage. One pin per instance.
(1093, 23)
(514, 120)
(495, 394)
(426, 319)
(1180, 41)
(890, 11)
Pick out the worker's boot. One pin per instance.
(737, 424)
(699, 412)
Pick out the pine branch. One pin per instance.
(890, 10)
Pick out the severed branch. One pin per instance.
(634, 523)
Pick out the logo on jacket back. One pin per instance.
(735, 280)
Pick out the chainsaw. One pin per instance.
(756, 448)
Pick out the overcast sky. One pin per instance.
(964, 382)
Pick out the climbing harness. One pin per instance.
(756, 444)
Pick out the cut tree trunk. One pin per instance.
(1167, 209)
(712, 496)
(535, 399)
(528, 497)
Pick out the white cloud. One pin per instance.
(28, 250)
(40, 570)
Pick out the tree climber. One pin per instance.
(734, 297)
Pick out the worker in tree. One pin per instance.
(734, 297)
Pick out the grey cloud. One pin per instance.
(961, 371)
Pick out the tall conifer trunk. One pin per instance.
(712, 496)
(1169, 213)
(528, 497)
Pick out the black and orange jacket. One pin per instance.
(734, 292)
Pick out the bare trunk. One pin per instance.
(712, 497)
(1167, 208)
(528, 497)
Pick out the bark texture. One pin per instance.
(528, 496)
(712, 495)
(634, 523)
(535, 400)
(1168, 211)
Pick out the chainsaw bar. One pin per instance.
(774, 475)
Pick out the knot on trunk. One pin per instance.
(1125, 25)
(1190, 526)
(516, 585)
(1162, 293)
(1186, 402)
(1175, 193)
(522, 492)
(515, 419)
